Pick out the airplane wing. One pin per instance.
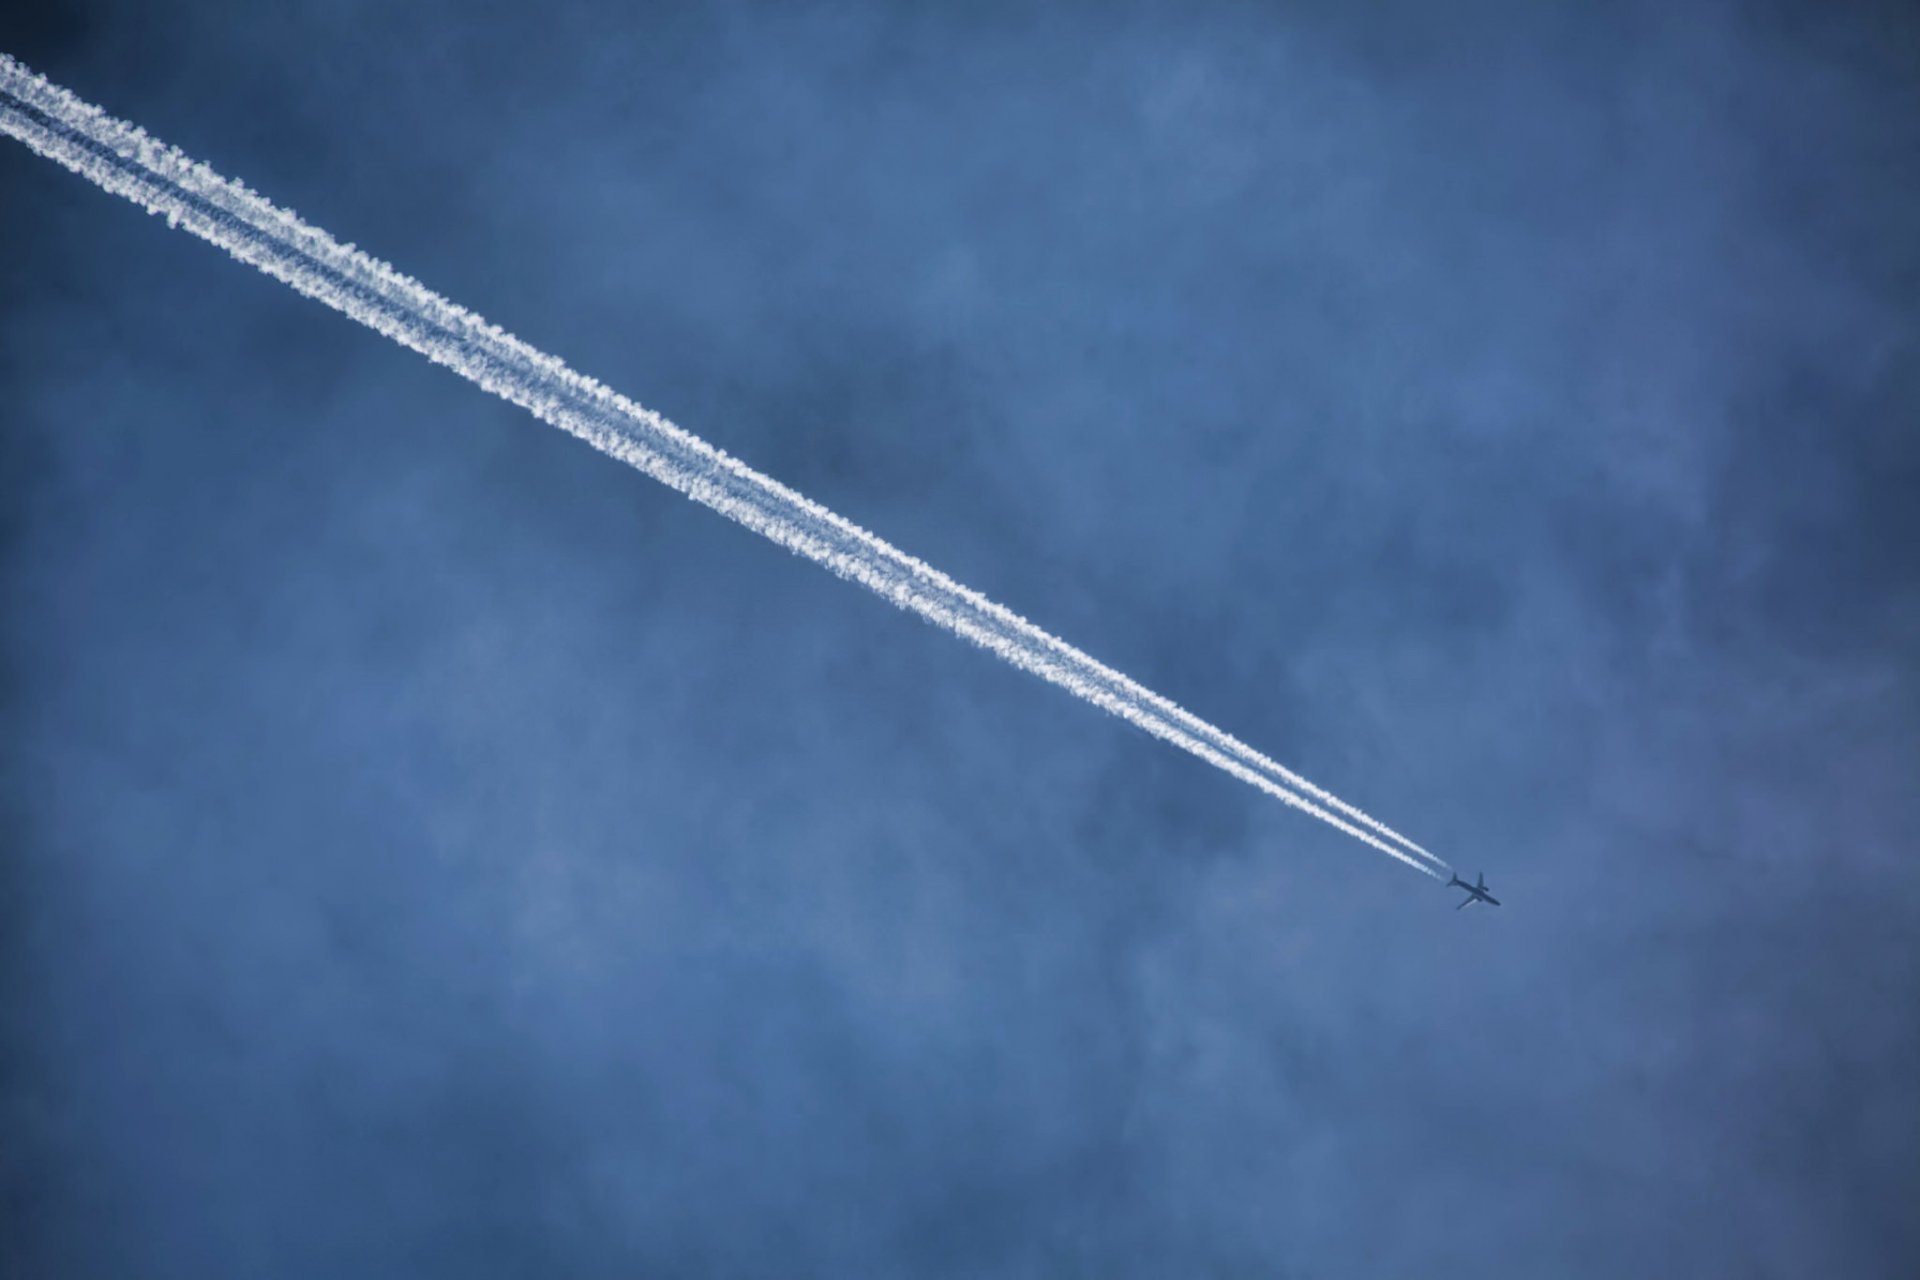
(1469, 902)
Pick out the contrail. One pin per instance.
(122, 159)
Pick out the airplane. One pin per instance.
(1475, 892)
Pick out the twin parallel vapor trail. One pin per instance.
(122, 159)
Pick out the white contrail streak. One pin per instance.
(122, 159)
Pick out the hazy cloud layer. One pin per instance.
(433, 849)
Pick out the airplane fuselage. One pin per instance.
(1476, 892)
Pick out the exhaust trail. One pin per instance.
(124, 160)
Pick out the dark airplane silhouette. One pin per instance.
(1475, 892)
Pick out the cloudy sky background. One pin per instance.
(431, 848)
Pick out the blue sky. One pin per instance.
(435, 849)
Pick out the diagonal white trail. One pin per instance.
(124, 160)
